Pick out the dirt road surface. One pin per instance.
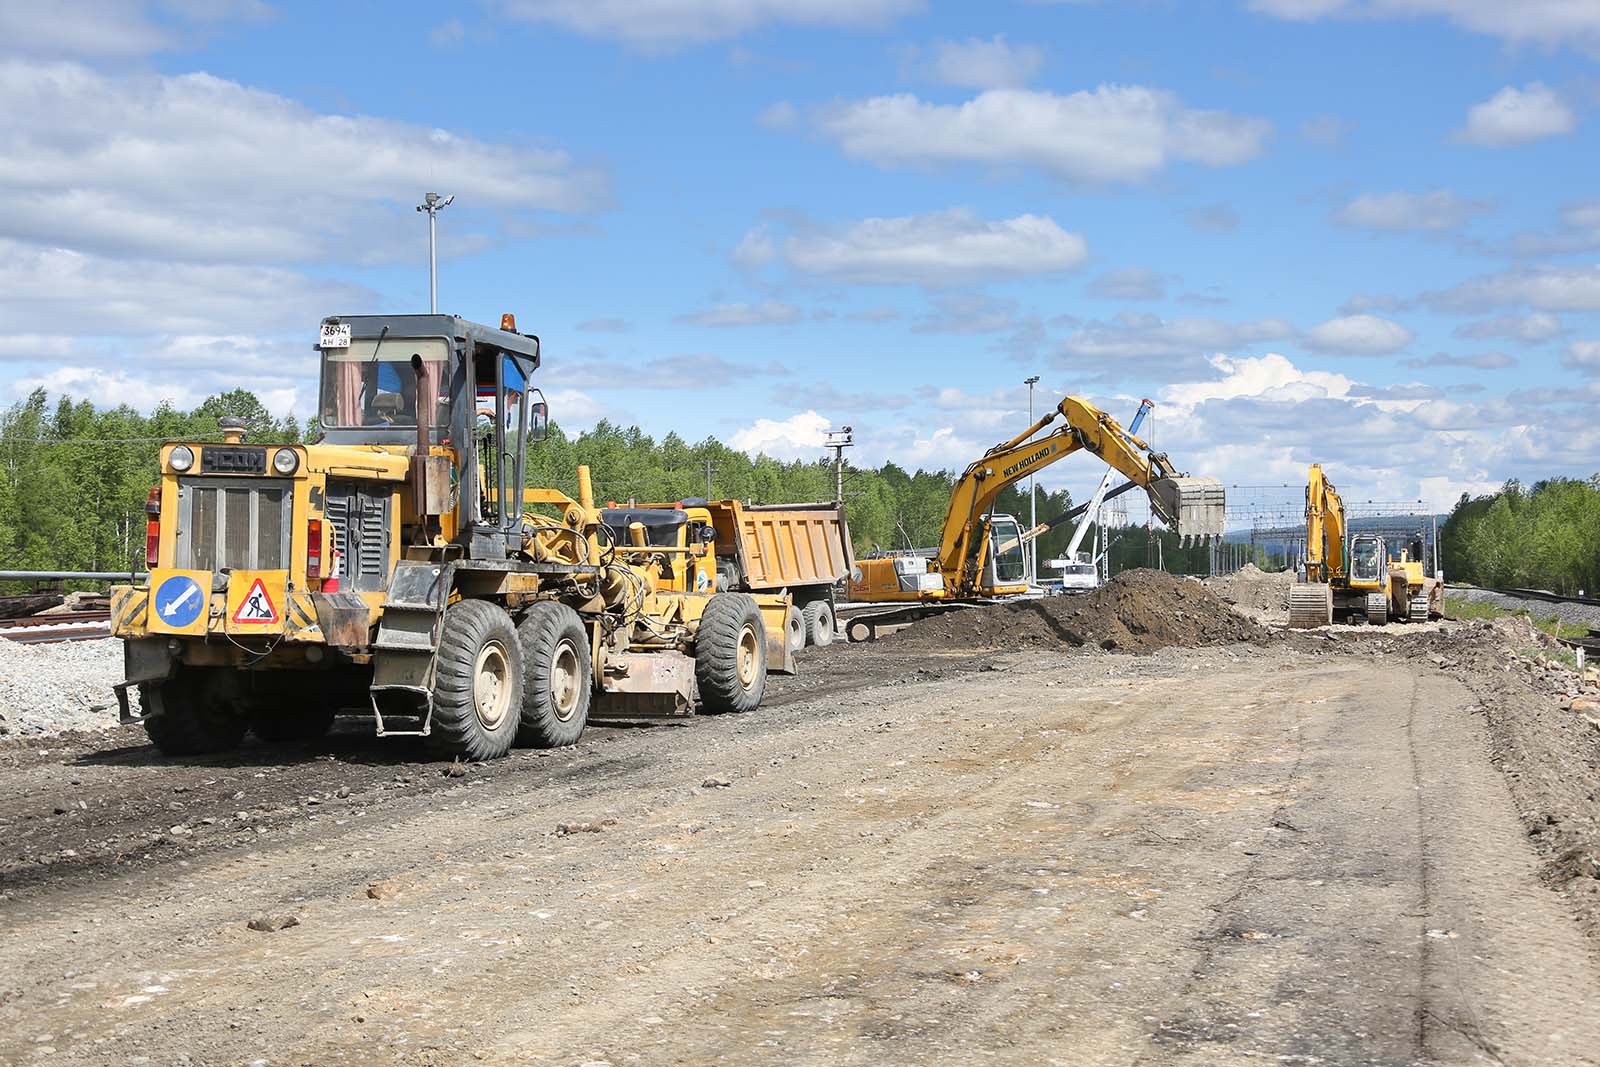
(1224, 855)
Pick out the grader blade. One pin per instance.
(1192, 507)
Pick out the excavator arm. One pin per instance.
(1324, 529)
(1190, 506)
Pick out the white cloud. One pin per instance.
(664, 24)
(1533, 329)
(985, 64)
(968, 313)
(1544, 288)
(943, 248)
(197, 168)
(755, 250)
(111, 29)
(1478, 361)
(60, 290)
(1553, 23)
(1441, 209)
(1130, 283)
(1517, 116)
(1113, 133)
(796, 437)
(1133, 343)
(765, 313)
(1583, 357)
(1271, 376)
(1358, 335)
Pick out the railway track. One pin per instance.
(63, 626)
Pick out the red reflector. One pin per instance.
(152, 528)
(313, 548)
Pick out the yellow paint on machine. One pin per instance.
(128, 607)
(258, 602)
(172, 616)
(302, 619)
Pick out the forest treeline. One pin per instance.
(73, 479)
(1544, 537)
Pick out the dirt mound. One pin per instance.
(1137, 611)
(1263, 595)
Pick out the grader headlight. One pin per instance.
(181, 458)
(285, 461)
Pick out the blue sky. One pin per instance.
(1365, 232)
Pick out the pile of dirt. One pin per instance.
(1137, 611)
(1262, 595)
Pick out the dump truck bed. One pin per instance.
(781, 546)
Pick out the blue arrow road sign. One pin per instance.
(179, 600)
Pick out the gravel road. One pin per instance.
(1280, 854)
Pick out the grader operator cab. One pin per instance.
(391, 567)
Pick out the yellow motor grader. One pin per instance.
(393, 567)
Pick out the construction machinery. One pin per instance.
(980, 554)
(1358, 575)
(400, 566)
(801, 549)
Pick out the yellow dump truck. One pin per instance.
(730, 546)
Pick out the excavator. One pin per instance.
(1352, 575)
(980, 556)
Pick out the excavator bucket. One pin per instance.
(1192, 507)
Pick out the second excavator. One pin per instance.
(1357, 575)
(980, 554)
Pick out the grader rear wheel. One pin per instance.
(477, 687)
(197, 711)
(557, 682)
(730, 654)
(1310, 605)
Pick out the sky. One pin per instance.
(1360, 232)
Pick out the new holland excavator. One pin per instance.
(1357, 575)
(980, 555)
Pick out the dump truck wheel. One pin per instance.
(819, 623)
(557, 681)
(199, 713)
(477, 687)
(730, 654)
(794, 629)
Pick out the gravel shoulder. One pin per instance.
(1294, 852)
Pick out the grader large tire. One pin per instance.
(730, 654)
(794, 629)
(1310, 605)
(557, 679)
(819, 623)
(197, 711)
(477, 686)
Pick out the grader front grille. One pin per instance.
(233, 523)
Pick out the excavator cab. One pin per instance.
(1006, 569)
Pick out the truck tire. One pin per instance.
(794, 629)
(197, 711)
(557, 680)
(819, 623)
(730, 654)
(477, 683)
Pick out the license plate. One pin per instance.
(335, 335)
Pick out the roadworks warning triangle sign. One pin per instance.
(257, 606)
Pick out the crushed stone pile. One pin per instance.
(1137, 611)
(66, 685)
(1262, 595)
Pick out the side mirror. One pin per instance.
(539, 421)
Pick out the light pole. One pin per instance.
(839, 440)
(1033, 505)
(433, 203)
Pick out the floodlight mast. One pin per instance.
(433, 203)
